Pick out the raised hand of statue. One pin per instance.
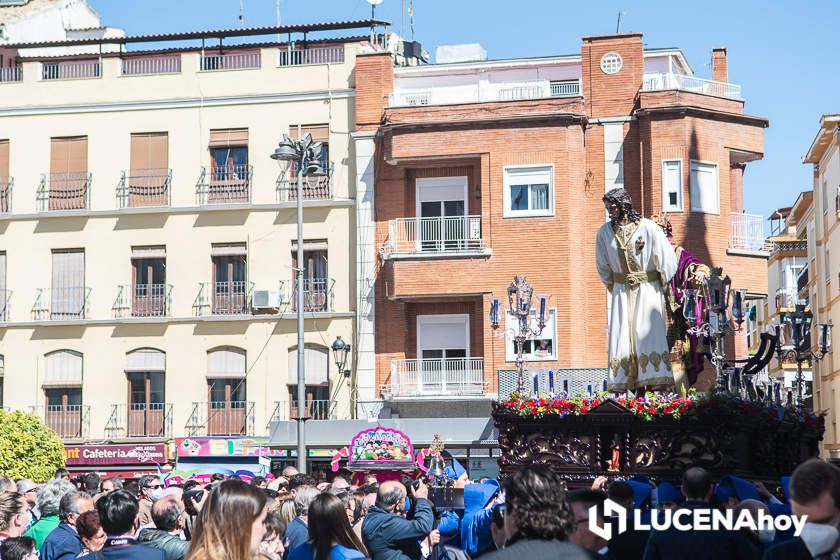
(700, 276)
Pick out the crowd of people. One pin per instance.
(529, 516)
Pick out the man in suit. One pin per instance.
(629, 545)
(64, 542)
(721, 544)
(815, 493)
(119, 514)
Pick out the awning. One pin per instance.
(421, 431)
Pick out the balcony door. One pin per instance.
(148, 291)
(146, 406)
(443, 349)
(63, 413)
(226, 407)
(316, 367)
(68, 180)
(315, 279)
(148, 179)
(228, 166)
(229, 279)
(441, 211)
(68, 292)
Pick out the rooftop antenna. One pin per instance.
(618, 23)
(277, 9)
(242, 12)
(373, 5)
(411, 17)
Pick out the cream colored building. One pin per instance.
(823, 255)
(147, 238)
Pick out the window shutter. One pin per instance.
(227, 363)
(68, 155)
(704, 188)
(319, 132)
(228, 249)
(4, 158)
(228, 137)
(64, 368)
(149, 150)
(145, 359)
(316, 365)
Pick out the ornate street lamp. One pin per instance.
(520, 295)
(340, 350)
(303, 153)
(799, 321)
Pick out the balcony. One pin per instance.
(446, 235)
(313, 188)
(318, 295)
(70, 421)
(446, 377)
(61, 304)
(11, 74)
(230, 61)
(787, 298)
(143, 300)
(224, 185)
(139, 420)
(747, 232)
(64, 191)
(315, 410)
(798, 246)
(315, 55)
(221, 418)
(144, 188)
(5, 302)
(223, 298)
(802, 283)
(484, 91)
(668, 81)
(6, 187)
(146, 65)
(71, 70)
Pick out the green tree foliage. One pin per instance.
(28, 449)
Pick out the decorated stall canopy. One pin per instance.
(381, 449)
(225, 447)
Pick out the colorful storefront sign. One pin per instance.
(225, 447)
(89, 455)
(381, 445)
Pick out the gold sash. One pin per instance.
(633, 279)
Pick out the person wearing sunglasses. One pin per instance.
(151, 490)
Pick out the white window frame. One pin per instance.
(666, 205)
(446, 318)
(549, 332)
(695, 195)
(430, 182)
(507, 212)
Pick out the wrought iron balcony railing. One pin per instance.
(143, 300)
(315, 55)
(313, 188)
(230, 61)
(224, 185)
(221, 418)
(61, 304)
(318, 295)
(223, 298)
(71, 70)
(64, 191)
(314, 410)
(144, 65)
(5, 304)
(144, 187)
(6, 187)
(138, 420)
(444, 377)
(71, 421)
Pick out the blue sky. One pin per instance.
(784, 54)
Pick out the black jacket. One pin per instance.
(388, 536)
(173, 547)
(793, 549)
(526, 549)
(629, 545)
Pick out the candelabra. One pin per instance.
(520, 296)
(715, 323)
(800, 327)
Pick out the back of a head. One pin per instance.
(621, 493)
(812, 479)
(88, 524)
(132, 487)
(71, 503)
(50, 494)
(290, 471)
(588, 498)
(328, 525)
(696, 483)
(223, 527)
(389, 494)
(300, 479)
(61, 473)
(537, 497)
(7, 484)
(165, 513)
(304, 497)
(91, 483)
(10, 506)
(117, 512)
(17, 548)
(24, 485)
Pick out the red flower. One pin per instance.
(584, 409)
(651, 409)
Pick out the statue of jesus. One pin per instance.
(635, 262)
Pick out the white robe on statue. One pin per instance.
(635, 263)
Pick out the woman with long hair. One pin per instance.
(230, 523)
(330, 534)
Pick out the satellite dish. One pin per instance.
(374, 2)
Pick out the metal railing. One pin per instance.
(747, 232)
(11, 74)
(223, 298)
(665, 81)
(442, 234)
(564, 88)
(315, 55)
(481, 92)
(143, 300)
(230, 61)
(64, 191)
(221, 418)
(802, 279)
(144, 187)
(787, 297)
(139, 420)
(314, 410)
(318, 295)
(792, 246)
(313, 188)
(141, 65)
(61, 304)
(224, 185)
(70, 70)
(67, 421)
(6, 187)
(5, 303)
(449, 376)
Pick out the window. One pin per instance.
(529, 191)
(227, 412)
(62, 385)
(68, 294)
(148, 178)
(824, 193)
(320, 133)
(149, 290)
(230, 172)
(672, 185)
(68, 179)
(705, 188)
(317, 389)
(146, 376)
(229, 279)
(315, 280)
(540, 348)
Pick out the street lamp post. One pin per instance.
(340, 350)
(520, 295)
(305, 154)
(800, 325)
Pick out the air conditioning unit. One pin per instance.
(266, 299)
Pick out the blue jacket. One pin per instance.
(476, 537)
(62, 544)
(297, 533)
(388, 536)
(307, 552)
(120, 548)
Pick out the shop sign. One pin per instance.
(115, 454)
(225, 447)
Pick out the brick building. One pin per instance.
(472, 171)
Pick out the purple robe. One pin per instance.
(679, 284)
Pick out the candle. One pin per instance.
(551, 381)
(536, 384)
(605, 385)
(566, 386)
(589, 389)
(542, 309)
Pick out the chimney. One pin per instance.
(720, 72)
